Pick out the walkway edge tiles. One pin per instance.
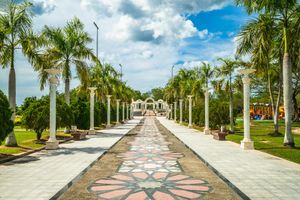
(252, 174)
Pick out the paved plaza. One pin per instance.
(254, 174)
(45, 174)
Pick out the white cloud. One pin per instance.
(145, 36)
(203, 34)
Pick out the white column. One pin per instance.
(92, 106)
(246, 143)
(175, 110)
(52, 143)
(123, 112)
(108, 111)
(171, 112)
(180, 110)
(190, 111)
(118, 112)
(127, 111)
(206, 129)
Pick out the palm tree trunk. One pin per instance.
(276, 112)
(11, 138)
(231, 108)
(67, 91)
(275, 109)
(287, 95)
(296, 109)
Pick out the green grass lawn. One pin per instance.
(264, 142)
(26, 141)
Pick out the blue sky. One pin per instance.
(146, 36)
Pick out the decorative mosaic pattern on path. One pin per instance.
(150, 171)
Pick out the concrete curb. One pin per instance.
(74, 180)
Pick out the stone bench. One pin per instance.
(79, 134)
(218, 135)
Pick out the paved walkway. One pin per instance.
(150, 171)
(45, 174)
(255, 174)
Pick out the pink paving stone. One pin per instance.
(114, 194)
(185, 194)
(162, 196)
(107, 187)
(123, 177)
(109, 182)
(177, 177)
(190, 182)
(150, 166)
(142, 159)
(141, 175)
(137, 196)
(156, 158)
(159, 175)
(193, 187)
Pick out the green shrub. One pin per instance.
(6, 124)
(37, 115)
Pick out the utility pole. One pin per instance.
(96, 38)
(121, 71)
(172, 71)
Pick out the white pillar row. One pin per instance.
(175, 111)
(92, 110)
(118, 111)
(171, 112)
(180, 111)
(190, 111)
(52, 143)
(108, 111)
(123, 112)
(246, 143)
(206, 129)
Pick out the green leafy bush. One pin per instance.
(37, 115)
(6, 124)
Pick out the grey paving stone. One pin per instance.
(257, 174)
(52, 170)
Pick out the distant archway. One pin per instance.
(140, 106)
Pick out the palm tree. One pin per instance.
(283, 11)
(15, 23)
(206, 73)
(67, 47)
(226, 72)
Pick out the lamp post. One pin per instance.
(180, 110)
(117, 117)
(108, 111)
(52, 143)
(172, 71)
(246, 143)
(206, 94)
(92, 106)
(121, 66)
(97, 38)
(190, 111)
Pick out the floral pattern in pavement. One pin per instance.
(150, 171)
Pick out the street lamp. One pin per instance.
(121, 71)
(97, 38)
(172, 71)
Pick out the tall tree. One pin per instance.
(283, 10)
(67, 48)
(226, 72)
(15, 23)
